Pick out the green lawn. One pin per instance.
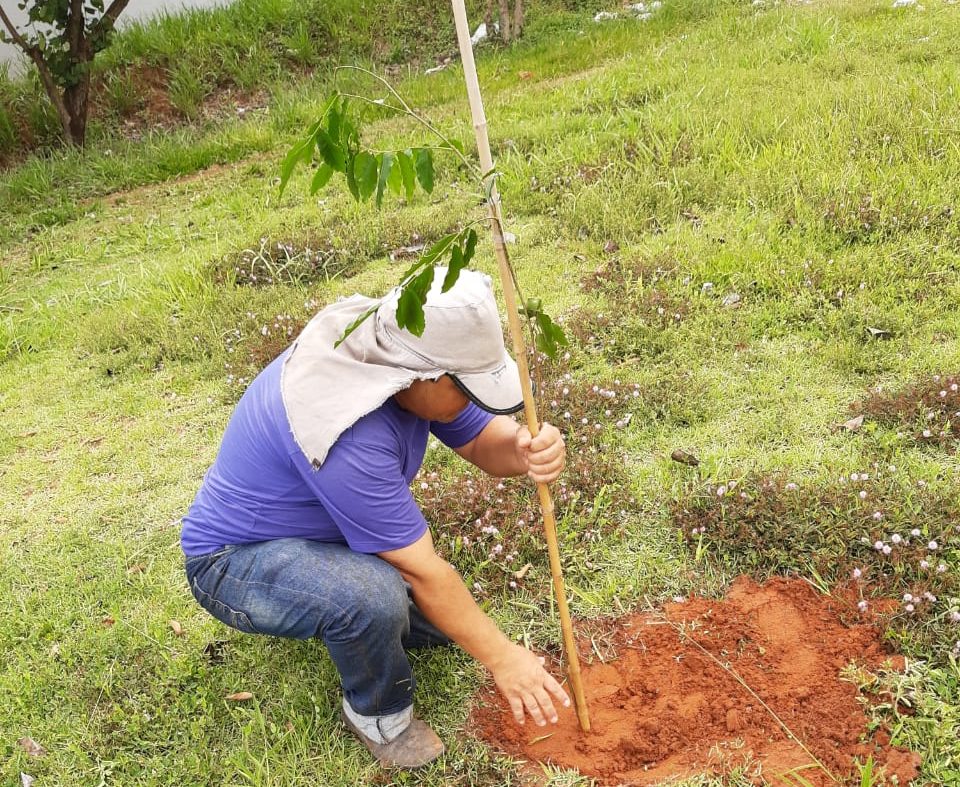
(804, 158)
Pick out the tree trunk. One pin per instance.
(518, 18)
(505, 21)
(75, 98)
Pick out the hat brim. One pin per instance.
(497, 391)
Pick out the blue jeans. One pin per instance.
(358, 604)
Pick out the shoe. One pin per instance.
(415, 746)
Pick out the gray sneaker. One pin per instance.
(417, 745)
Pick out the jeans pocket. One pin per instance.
(226, 614)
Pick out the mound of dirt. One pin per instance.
(664, 707)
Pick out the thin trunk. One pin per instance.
(518, 18)
(505, 21)
(76, 98)
(488, 18)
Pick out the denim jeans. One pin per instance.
(358, 604)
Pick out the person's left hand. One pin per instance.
(543, 455)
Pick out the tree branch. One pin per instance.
(49, 84)
(111, 14)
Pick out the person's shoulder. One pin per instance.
(387, 423)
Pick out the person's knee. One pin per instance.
(375, 599)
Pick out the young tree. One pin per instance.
(511, 26)
(73, 32)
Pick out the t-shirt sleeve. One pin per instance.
(462, 429)
(362, 488)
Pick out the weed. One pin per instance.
(927, 412)
(187, 89)
(285, 262)
(890, 538)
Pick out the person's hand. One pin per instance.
(527, 686)
(544, 455)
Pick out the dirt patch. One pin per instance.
(665, 708)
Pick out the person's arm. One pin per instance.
(505, 448)
(443, 598)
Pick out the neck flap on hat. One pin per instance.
(326, 390)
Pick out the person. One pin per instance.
(305, 525)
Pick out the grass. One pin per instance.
(801, 158)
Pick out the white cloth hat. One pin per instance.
(326, 390)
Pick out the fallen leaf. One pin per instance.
(54, 651)
(289, 726)
(177, 627)
(26, 780)
(853, 424)
(406, 252)
(879, 333)
(107, 621)
(684, 458)
(611, 247)
(136, 568)
(580, 257)
(239, 696)
(523, 571)
(733, 299)
(31, 747)
(525, 74)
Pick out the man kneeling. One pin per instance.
(305, 525)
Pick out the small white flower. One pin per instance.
(877, 515)
(566, 390)
(926, 433)
(857, 573)
(854, 477)
(862, 605)
(892, 468)
(924, 565)
(862, 494)
(887, 549)
(909, 608)
(895, 538)
(941, 568)
(721, 490)
(907, 597)
(878, 545)
(930, 597)
(791, 487)
(915, 532)
(933, 546)
(954, 616)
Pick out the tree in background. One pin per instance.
(511, 26)
(72, 33)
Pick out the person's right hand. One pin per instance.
(527, 686)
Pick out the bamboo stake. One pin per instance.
(519, 350)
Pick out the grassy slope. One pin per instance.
(735, 145)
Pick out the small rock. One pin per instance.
(733, 299)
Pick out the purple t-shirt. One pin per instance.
(262, 487)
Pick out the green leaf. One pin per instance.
(470, 246)
(409, 173)
(460, 257)
(410, 305)
(365, 171)
(456, 265)
(355, 324)
(320, 178)
(333, 123)
(386, 164)
(330, 151)
(395, 181)
(437, 250)
(351, 179)
(423, 162)
(549, 336)
(301, 152)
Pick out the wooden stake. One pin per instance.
(519, 350)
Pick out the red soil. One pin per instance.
(663, 708)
